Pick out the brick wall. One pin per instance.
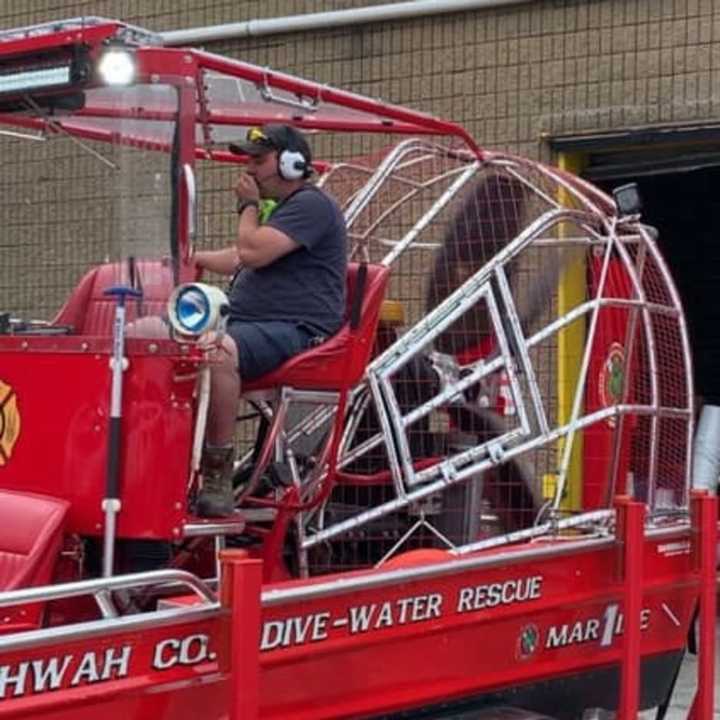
(512, 76)
(509, 74)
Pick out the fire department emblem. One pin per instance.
(528, 641)
(9, 422)
(612, 378)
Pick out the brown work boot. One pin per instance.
(216, 498)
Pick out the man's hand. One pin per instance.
(213, 345)
(257, 246)
(246, 188)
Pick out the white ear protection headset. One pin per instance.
(292, 165)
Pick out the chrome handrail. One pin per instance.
(101, 588)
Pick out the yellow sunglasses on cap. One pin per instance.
(256, 135)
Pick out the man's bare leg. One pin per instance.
(224, 395)
(216, 497)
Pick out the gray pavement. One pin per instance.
(686, 686)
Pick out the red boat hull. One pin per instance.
(484, 627)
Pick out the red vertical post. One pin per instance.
(240, 589)
(704, 540)
(630, 535)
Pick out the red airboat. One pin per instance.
(472, 498)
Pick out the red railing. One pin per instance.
(705, 535)
(630, 537)
(241, 585)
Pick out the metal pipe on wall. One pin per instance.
(330, 19)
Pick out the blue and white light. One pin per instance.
(196, 308)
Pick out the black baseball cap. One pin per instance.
(260, 140)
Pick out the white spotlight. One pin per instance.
(117, 67)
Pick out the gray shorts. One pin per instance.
(264, 346)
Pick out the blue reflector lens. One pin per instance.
(193, 309)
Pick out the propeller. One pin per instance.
(491, 214)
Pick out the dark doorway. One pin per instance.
(684, 206)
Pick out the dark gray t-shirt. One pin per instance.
(308, 284)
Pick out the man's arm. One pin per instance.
(223, 261)
(258, 245)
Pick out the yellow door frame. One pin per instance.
(572, 291)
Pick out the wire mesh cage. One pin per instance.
(491, 396)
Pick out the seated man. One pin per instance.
(287, 291)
